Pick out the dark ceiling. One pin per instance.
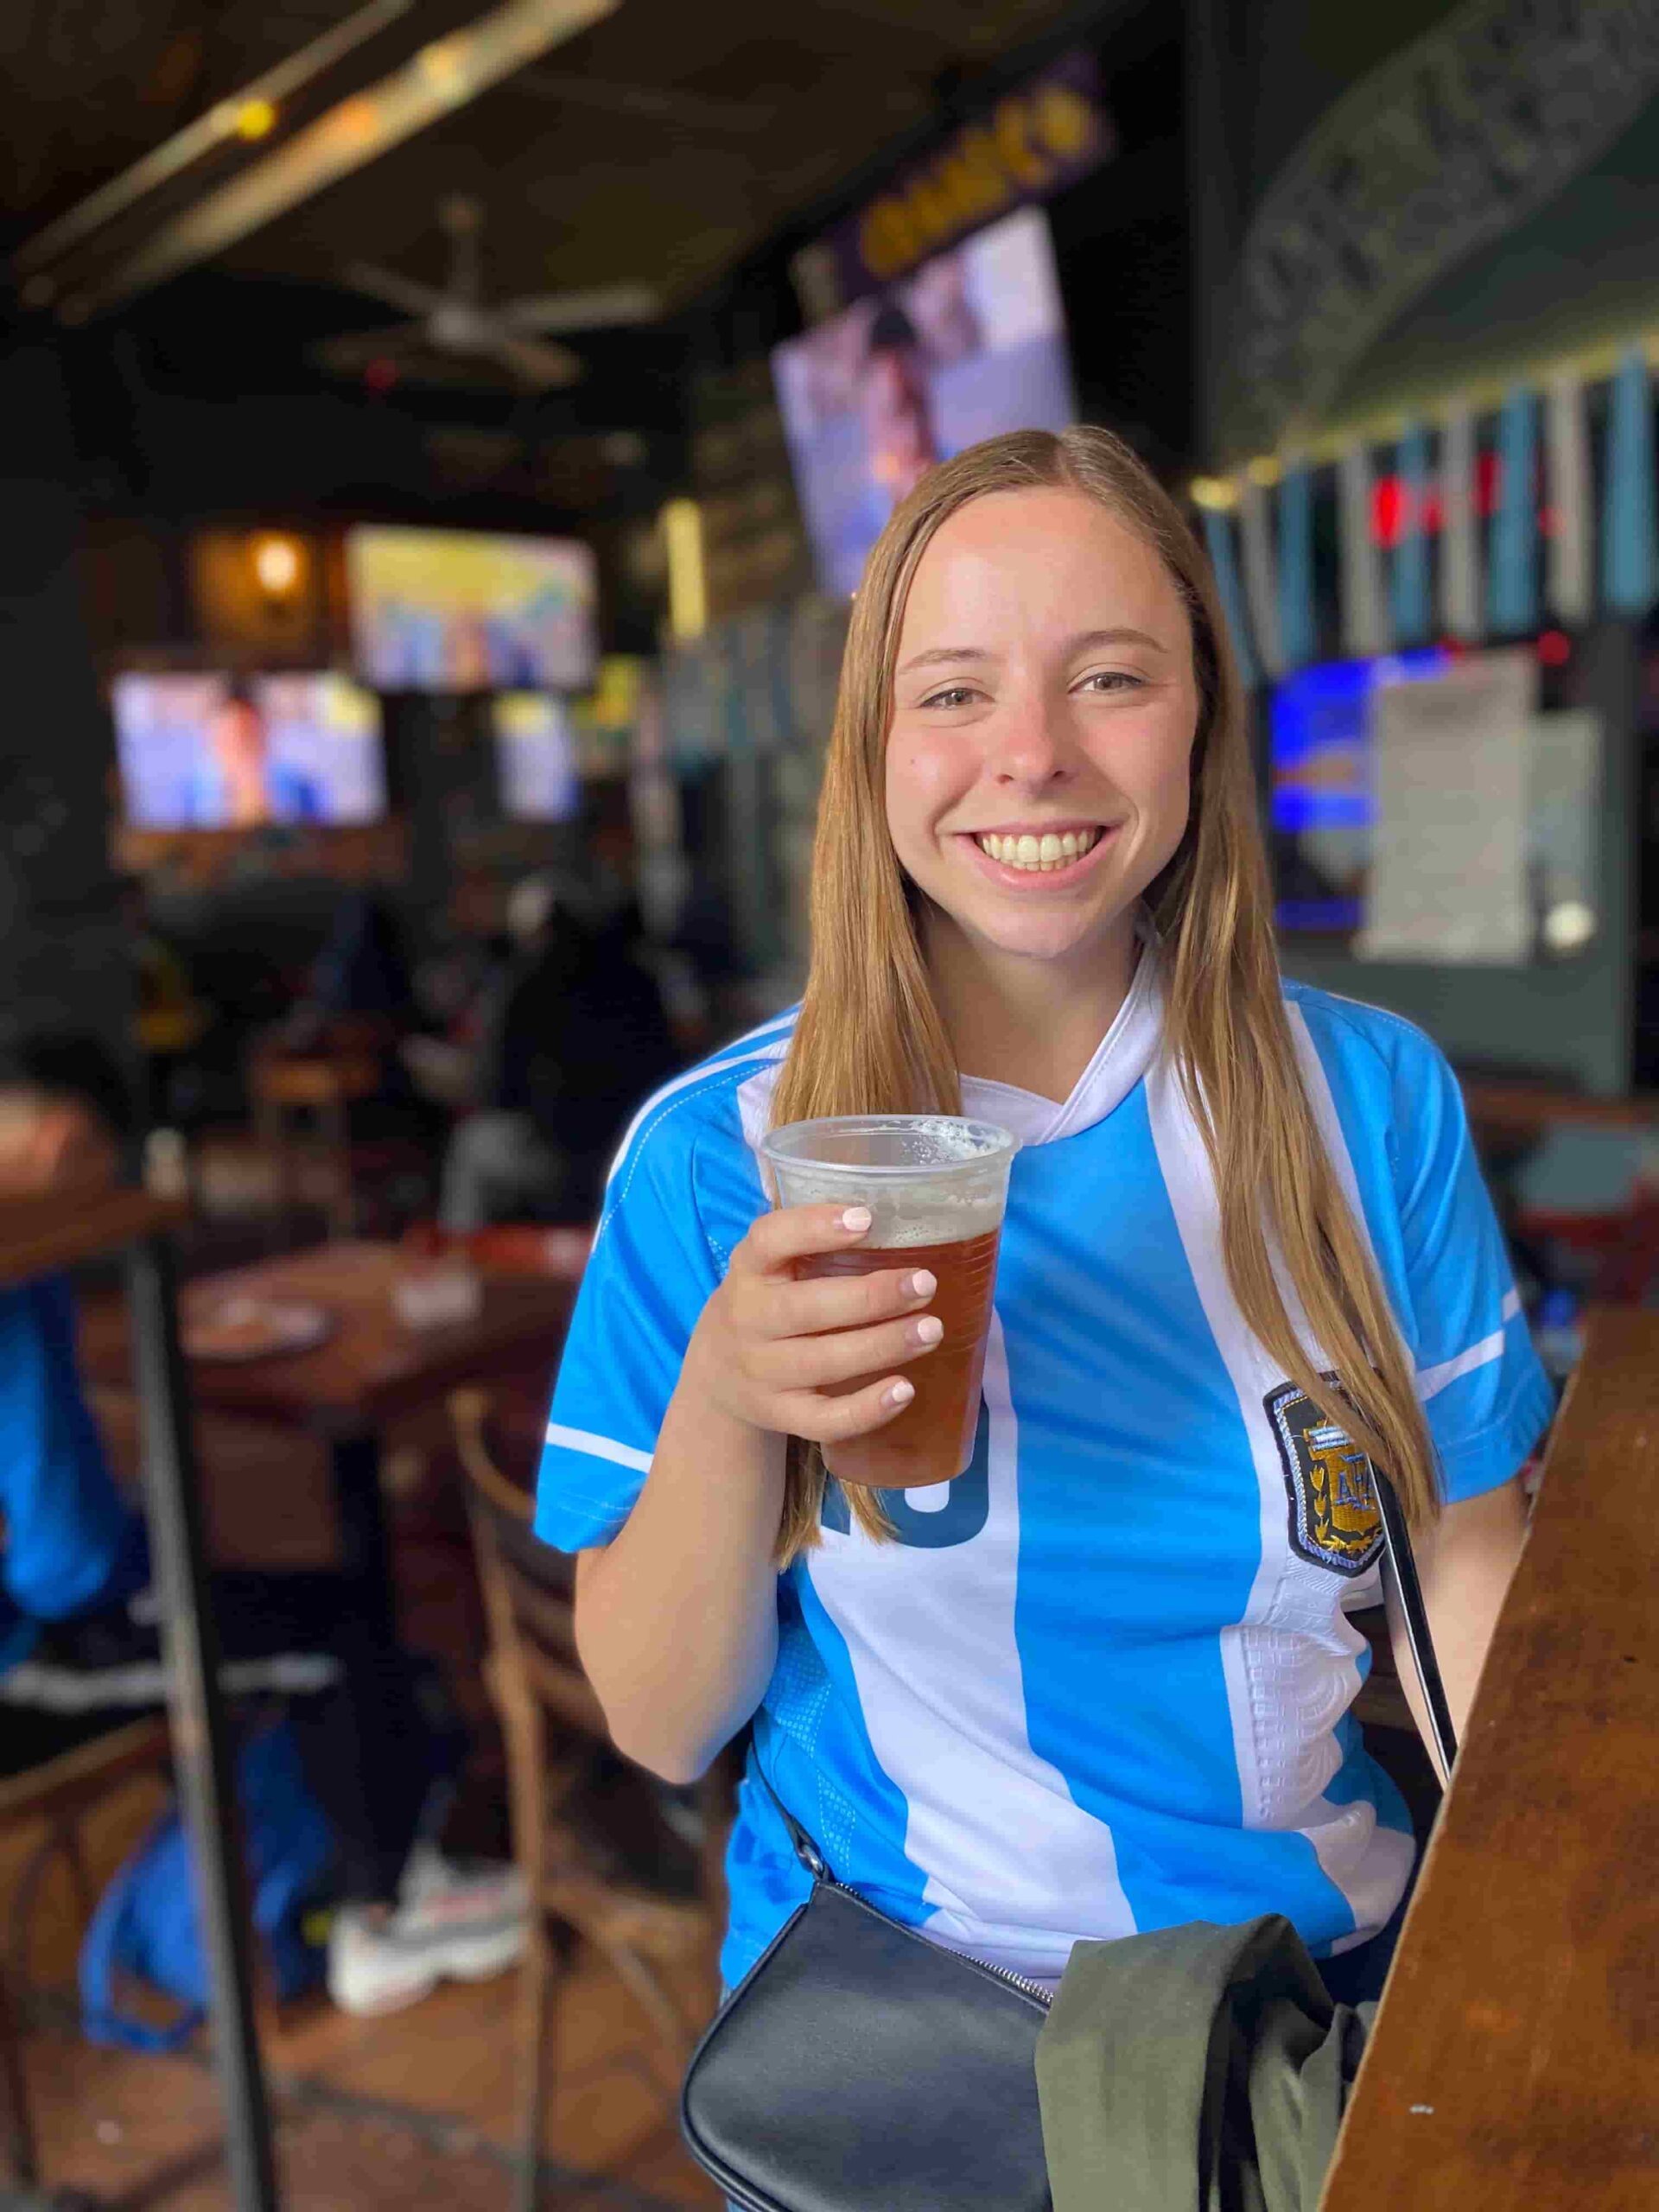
(656, 147)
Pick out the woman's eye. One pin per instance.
(1103, 681)
(954, 694)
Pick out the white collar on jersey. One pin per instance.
(1120, 1058)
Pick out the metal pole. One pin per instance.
(199, 1737)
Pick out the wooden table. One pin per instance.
(1517, 1109)
(373, 1368)
(1514, 2062)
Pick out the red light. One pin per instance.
(381, 374)
(1388, 510)
(1555, 648)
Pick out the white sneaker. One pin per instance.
(462, 1922)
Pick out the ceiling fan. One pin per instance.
(458, 337)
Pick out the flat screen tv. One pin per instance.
(201, 753)
(463, 611)
(971, 344)
(535, 758)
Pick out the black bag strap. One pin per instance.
(805, 1850)
(1396, 1539)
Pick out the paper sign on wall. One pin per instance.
(1449, 860)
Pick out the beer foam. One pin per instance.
(963, 1197)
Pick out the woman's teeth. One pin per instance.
(1041, 854)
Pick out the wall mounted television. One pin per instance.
(204, 752)
(535, 758)
(467, 611)
(972, 343)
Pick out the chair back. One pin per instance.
(529, 1590)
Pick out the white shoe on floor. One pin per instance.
(454, 1922)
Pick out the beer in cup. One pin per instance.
(936, 1186)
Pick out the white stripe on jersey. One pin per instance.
(1431, 1381)
(599, 1447)
(1014, 1866)
(1291, 1669)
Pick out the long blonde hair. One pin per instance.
(870, 1038)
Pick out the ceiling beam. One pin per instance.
(220, 123)
(442, 78)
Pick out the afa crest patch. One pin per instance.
(1334, 1518)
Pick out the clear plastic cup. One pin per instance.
(936, 1186)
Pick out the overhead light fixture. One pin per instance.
(687, 584)
(255, 119)
(277, 563)
(358, 129)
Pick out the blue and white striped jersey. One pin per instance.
(1102, 1683)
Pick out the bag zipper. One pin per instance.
(812, 1858)
(820, 1872)
(1044, 1996)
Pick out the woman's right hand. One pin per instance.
(790, 1355)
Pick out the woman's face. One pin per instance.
(1044, 706)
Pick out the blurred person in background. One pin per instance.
(576, 1035)
(361, 982)
(897, 411)
(81, 1649)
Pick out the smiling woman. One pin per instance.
(1100, 1683)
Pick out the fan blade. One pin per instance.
(397, 291)
(544, 368)
(604, 307)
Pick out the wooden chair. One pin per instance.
(57, 1795)
(555, 1734)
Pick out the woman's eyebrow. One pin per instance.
(1085, 641)
(937, 654)
(1088, 639)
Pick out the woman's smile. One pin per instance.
(1036, 857)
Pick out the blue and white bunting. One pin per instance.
(1567, 580)
(1298, 622)
(1629, 547)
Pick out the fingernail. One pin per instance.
(927, 1331)
(921, 1284)
(857, 1219)
(898, 1394)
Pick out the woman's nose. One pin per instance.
(1030, 751)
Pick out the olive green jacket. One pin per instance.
(1195, 2070)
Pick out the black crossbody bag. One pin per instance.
(858, 2064)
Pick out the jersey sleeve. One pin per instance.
(651, 1274)
(1484, 1394)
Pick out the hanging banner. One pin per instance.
(1297, 623)
(1261, 589)
(1364, 610)
(1450, 846)
(1218, 538)
(1459, 545)
(1031, 145)
(1512, 576)
(1567, 437)
(1413, 614)
(1629, 555)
